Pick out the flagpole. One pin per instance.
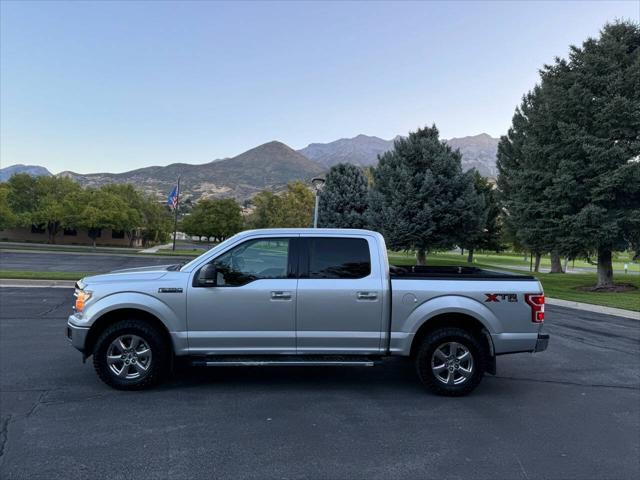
(175, 222)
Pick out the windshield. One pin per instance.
(217, 247)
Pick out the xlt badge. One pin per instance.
(496, 297)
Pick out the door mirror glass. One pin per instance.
(207, 276)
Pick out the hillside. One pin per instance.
(269, 166)
(362, 150)
(478, 151)
(33, 170)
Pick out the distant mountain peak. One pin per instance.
(33, 170)
(268, 166)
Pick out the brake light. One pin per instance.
(536, 302)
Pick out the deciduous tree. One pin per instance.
(56, 204)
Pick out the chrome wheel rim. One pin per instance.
(452, 363)
(129, 357)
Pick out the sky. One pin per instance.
(112, 86)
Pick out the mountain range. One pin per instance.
(269, 166)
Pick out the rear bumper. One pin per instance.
(542, 342)
(77, 335)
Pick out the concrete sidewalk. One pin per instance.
(618, 312)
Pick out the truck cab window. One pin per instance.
(339, 258)
(253, 260)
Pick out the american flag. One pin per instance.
(172, 200)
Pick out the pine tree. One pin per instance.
(344, 199)
(420, 199)
(526, 178)
(573, 148)
(487, 234)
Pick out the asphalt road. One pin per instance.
(80, 262)
(570, 412)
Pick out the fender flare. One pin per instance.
(175, 326)
(452, 304)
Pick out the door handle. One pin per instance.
(367, 296)
(280, 295)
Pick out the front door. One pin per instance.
(339, 296)
(251, 309)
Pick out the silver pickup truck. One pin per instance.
(305, 297)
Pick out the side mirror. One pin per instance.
(208, 276)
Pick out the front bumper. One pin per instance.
(542, 342)
(76, 335)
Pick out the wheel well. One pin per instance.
(114, 316)
(459, 320)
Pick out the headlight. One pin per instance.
(82, 297)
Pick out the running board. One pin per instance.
(284, 361)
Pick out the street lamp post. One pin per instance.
(317, 183)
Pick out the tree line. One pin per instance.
(57, 203)
(568, 183)
(218, 219)
(418, 197)
(569, 171)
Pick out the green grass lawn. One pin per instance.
(41, 247)
(509, 259)
(20, 275)
(562, 286)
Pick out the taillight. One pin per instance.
(536, 302)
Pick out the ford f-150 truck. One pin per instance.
(305, 297)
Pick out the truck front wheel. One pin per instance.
(450, 362)
(131, 355)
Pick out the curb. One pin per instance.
(587, 307)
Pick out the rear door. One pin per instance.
(339, 306)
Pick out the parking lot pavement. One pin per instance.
(79, 262)
(570, 412)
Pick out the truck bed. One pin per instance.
(417, 272)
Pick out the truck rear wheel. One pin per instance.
(131, 355)
(450, 362)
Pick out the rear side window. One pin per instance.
(339, 258)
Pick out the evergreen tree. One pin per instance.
(488, 232)
(526, 178)
(344, 198)
(420, 199)
(572, 148)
